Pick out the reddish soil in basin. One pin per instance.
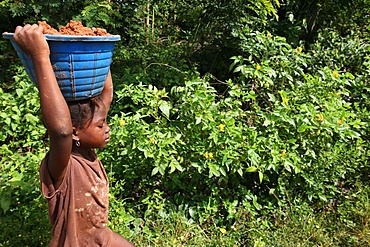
(73, 28)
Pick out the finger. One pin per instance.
(34, 26)
(39, 29)
(35, 30)
(29, 28)
(18, 29)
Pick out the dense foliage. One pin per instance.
(222, 109)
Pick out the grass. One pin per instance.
(343, 223)
(340, 223)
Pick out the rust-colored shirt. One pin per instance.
(78, 209)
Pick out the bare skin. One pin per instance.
(52, 102)
(55, 111)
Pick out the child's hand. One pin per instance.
(32, 41)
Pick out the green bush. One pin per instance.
(21, 140)
(277, 132)
(287, 126)
(21, 150)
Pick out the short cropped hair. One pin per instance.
(82, 111)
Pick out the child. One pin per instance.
(73, 179)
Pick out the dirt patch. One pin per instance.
(73, 28)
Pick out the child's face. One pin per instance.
(96, 133)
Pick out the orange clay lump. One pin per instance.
(73, 28)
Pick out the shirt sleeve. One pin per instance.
(47, 186)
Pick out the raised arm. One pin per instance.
(107, 93)
(54, 108)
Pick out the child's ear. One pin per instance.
(75, 134)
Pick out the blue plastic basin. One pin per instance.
(81, 63)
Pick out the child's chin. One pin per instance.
(102, 146)
(105, 144)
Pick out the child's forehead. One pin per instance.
(101, 112)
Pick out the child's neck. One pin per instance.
(87, 153)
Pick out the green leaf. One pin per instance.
(288, 166)
(192, 212)
(198, 120)
(253, 157)
(155, 171)
(240, 172)
(303, 128)
(165, 108)
(5, 203)
(3, 115)
(16, 180)
(223, 172)
(323, 198)
(251, 169)
(30, 118)
(255, 203)
(213, 170)
(260, 174)
(8, 121)
(162, 170)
